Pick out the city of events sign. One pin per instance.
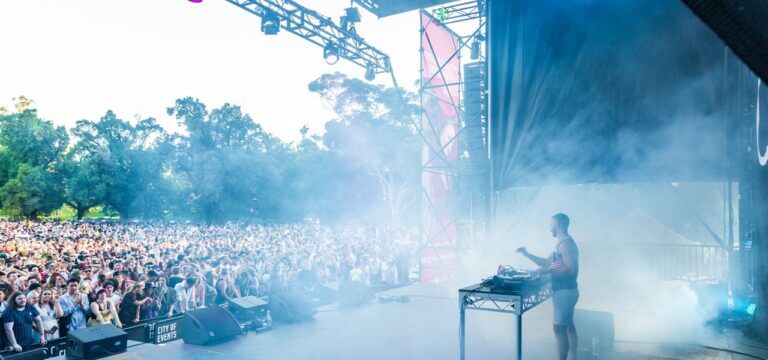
(166, 331)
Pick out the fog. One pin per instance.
(610, 224)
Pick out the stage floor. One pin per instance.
(426, 327)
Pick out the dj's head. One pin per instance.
(559, 224)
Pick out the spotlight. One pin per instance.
(196, 1)
(751, 309)
(270, 23)
(352, 14)
(331, 53)
(370, 72)
(347, 25)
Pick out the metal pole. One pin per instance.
(520, 337)
(461, 327)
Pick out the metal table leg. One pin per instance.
(461, 327)
(520, 337)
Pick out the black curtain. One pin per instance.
(606, 91)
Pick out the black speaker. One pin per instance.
(249, 308)
(208, 325)
(595, 330)
(96, 341)
(291, 306)
(353, 293)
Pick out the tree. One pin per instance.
(86, 182)
(31, 193)
(119, 165)
(375, 133)
(231, 164)
(27, 139)
(30, 151)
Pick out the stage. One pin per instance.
(426, 327)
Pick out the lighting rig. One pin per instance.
(337, 41)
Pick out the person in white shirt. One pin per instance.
(185, 296)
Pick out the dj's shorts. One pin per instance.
(564, 302)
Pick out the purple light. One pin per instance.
(196, 1)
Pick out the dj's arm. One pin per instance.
(540, 261)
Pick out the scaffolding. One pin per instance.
(452, 220)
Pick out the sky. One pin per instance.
(77, 59)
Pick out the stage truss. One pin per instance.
(319, 30)
(450, 222)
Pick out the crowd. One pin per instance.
(62, 276)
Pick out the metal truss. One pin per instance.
(438, 160)
(482, 298)
(319, 30)
(500, 302)
(464, 11)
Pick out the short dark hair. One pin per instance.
(73, 280)
(110, 282)
(562, 220)
(34, 286)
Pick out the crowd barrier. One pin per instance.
(155, 331)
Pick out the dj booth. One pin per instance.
(511, 292)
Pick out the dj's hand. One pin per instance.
(522, 250)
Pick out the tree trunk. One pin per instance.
(81, 211)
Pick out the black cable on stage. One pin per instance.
(691, 345)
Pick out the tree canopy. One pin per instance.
(222, 165)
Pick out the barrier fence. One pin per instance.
(665, 261)
(155, 331)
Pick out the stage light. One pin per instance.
(352, 14)
(270, 23)
(440, 13)
(347, 26)
(370, 72)
(196, 1)
(751, 309)
(331, 53)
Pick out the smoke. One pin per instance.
(614, 227)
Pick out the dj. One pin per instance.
(563, 265)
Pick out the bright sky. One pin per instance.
(76, 59)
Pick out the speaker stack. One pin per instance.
(291, 306)
(251, 311)
(96, 341)
(209, 325)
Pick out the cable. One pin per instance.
(691, 344)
